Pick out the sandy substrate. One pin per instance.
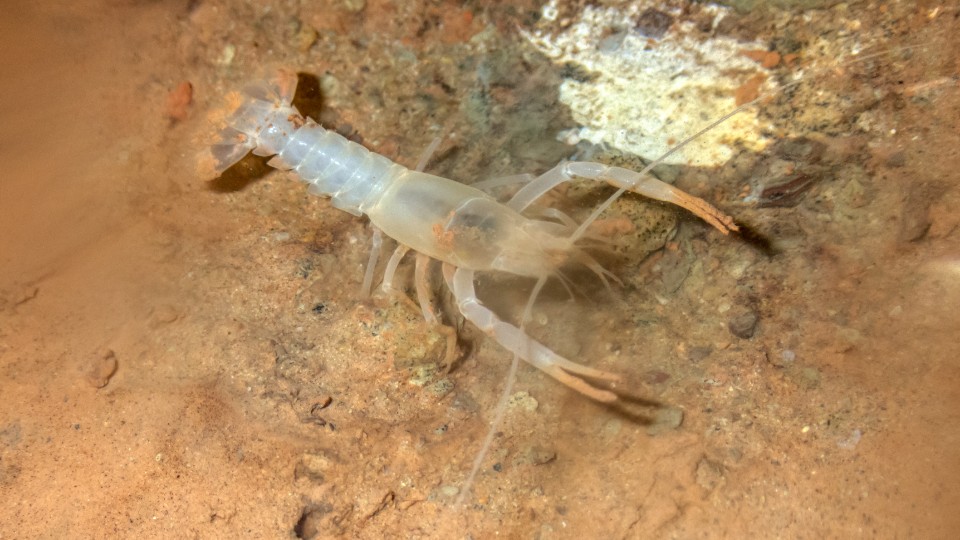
(183, 356)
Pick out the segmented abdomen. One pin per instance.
(351, 175)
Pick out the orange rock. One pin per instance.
(749, 90)
(767, 59)
(457, 25)
(179, 100)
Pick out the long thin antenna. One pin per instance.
(501, 403)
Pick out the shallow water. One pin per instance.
(184, 355)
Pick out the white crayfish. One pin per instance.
(465, 228)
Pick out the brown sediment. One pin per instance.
(807, 386)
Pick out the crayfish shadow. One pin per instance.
(637, 409)
(241, 174)
(760, 241)
(308, 98)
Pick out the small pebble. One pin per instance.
(782, 359)
(227, 55)
(523, 401)
(611, 43)
(312, 467)
(305, 38)
(696, 354)
(653, 23)
(655, 376)
(535, 455)
(440, 388)
(179, 100)
(102, 368)
(710, 474)
(743, 326)
(852, 441)
(163, 314)
(666, 419)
